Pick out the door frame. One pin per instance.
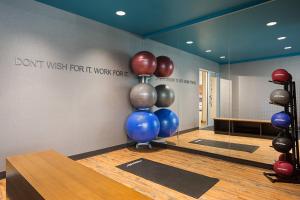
(209, 120)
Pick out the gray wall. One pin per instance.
(74, 112)
(251, 89)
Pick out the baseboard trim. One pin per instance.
(216, 156)
(100, 151)
(2, 175)
(188, 130)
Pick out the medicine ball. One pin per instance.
(286, 157)
(165, 96)
(281, 120)
(282, 144)
(280, 97)
(169, 122)
(142, 126)
(143, 63)
(143, 96)
(283, 168)
(280, 75)
(165, 66)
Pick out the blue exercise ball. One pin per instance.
(142, 126)
(281, 120)
(168, 122)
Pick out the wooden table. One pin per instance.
(52, 176)
(236, 126)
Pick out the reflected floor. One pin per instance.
(264, 154)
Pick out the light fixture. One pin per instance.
(120, 13)
(287, 48)
(189, 42)
(281, 38)
(271, 23)
(208, 51)
(222, 57)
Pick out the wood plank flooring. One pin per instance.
(2, 189)
(237, 182)
(264, 154)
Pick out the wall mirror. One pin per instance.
(234, 110)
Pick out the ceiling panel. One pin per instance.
(242, 36)
(239, 36)
(144, 16)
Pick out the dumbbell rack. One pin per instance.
(291, 132)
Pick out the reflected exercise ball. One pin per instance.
(282, 144)
(291, 77)
(143, 63)
(142, 126)
(165, 96)
(286, 157)
(281, 76)
(283, 168)
(169, 122)
(143, 96)
(165, 66)
(280, 97)
(281, 120)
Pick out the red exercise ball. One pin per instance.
(283, 168)
(281, 75)
(165, 66)
(143, 63)
(286, 157)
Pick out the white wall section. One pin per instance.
(67, 110)
(251, 89)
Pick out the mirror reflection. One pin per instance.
(234, 103)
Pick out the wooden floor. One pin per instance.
(236, 181)
(264, 154)
(2, 189)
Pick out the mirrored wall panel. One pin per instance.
(234, 105)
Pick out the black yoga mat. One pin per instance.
(226, 145)
(186, 182)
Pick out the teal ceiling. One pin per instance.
(242, 36)
(145, 16)
(232, 28)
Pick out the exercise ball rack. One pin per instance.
(291, 132)
(144, 79)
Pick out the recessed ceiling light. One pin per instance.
(287, 48)
(208, 51)
(281, 38)
(120, 13)
(271, 23)
(189, 42)
(222, 57)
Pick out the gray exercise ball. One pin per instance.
(280, 97)
(165, 96)
(143, 96)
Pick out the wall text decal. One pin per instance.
(52, 65)
(178, 80)
(102, 71)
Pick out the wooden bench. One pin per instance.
(52, 176)
(247, 127)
